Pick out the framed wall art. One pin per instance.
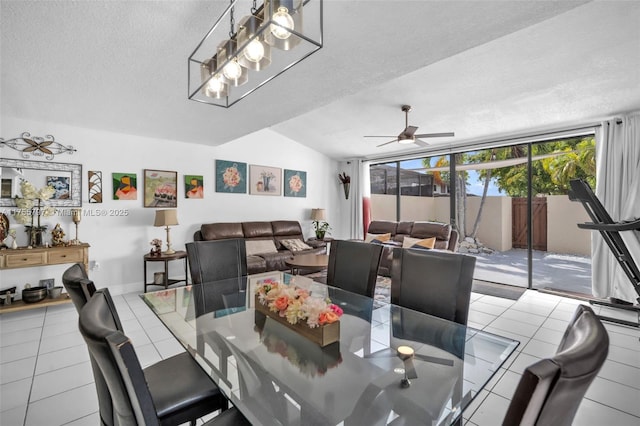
(193, 186)
(231, 177)
(125, 186)
(295, 183)
(62, 185)
(160, 188)
(95, 186)
(264, 180)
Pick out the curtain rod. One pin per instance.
(488, 143)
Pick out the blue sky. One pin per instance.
(474, 186)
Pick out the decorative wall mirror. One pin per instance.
(65, 177)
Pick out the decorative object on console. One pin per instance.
(346, 183)
(12, 234)
(295, 182)
(271, 34)
(125, 186)
(57, 236)
(76, 217)
(264, 180)
(315, 318)
(156, 249)
(37, 146)
(4, 229)
(231, 177)
(167, 218)
(193, 186)
(320, 226)
(160, 188)
(95, 186)
(33, 294)
(33, 203)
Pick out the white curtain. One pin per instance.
(360, 189)
(618, 188)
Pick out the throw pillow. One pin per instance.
(295, 245)
(377, 238)
(260, 246)
(427, 243)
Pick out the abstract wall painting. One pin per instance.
(95, 186)
(125, 186)
(193, 186)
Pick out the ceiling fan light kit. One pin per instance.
(408, 136)
(231, 62)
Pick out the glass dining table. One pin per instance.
(276, 376)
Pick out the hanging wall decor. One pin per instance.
(37, 146)
(95, 186)
(295, 183)
(125, 186)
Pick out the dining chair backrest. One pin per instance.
(353, 266)
(217, 260)
(116, 358)
(78, 285)
(550, 391)
(434, 282)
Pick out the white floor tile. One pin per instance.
(62, 358)
(481, 318)
(25, 324)
(625, 356)
(17, 370)
(21, 336)
(498, 301)
(534, 307)
(624, 341)
(90, 420)
(487, 308)
(16, 352)
(526, 317)
(550, 336)
(521, 362)
(15, 394)
(61, 380)
(158, 333)
(518, 327)
(507, 384)
(491, 411)
(591, 413)
(168, 348)
(621, 373)
(77, 403)
(555, 324)
(147, 354)
(57, 329)
(615, 395)
(62, 317)
(477, 401)
(13, 416)
(63, 341)
(540, 349)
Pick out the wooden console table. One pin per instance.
(42, 256)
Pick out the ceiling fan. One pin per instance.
(408, 135)
(407, 355)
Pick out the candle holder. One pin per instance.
(76, 217)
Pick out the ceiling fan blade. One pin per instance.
(410, 369)
(409, 131)
(435, 135)
(434, 360)
(387, 143)
(421, 143)
(390, 136)
(385, 353)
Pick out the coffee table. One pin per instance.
(307, 261)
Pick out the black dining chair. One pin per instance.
(138, 397)
(353, 266)
(550, 391)
(217, 259)
(433, 282)
(174, 401)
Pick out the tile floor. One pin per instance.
(46, 379)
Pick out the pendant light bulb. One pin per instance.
(216, 84)
(232, 70)
(284, 21)
(254, 52)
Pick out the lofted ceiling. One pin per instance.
(479, 68)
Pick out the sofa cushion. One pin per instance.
(442, 232)
(221, 231)
(256, 265)
(383, 227)
(427, 243)
(261, 230)
(295, 245)
(260, 246)
(286, 230)
(380, 238)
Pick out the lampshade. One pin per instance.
(166, 218)
(318, 214)
(237, 56)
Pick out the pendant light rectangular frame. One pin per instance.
(301, 43)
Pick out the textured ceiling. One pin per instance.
(478, 68)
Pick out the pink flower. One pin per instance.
(336, 309)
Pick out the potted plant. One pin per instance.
(321, 229)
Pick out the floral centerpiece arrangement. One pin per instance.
(296, 304)
(32, 204)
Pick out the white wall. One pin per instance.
(119, 242)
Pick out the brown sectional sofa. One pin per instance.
(446, 237)
(276, 230)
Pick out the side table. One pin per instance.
(166, 258)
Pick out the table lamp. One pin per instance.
(317, 216)
(167, 218)
(76, 217)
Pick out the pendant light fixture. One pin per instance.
(225, 68)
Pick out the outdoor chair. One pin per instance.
(550, 391)
(434, 282)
